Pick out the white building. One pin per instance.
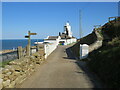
(64, 39)
(67, 37)
(52, 39)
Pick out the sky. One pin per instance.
(60, 0)
(49, 18)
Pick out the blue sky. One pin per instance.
(48, 18)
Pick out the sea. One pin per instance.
(8, 44)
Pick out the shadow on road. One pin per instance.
(82, 65)
(92, 77)
(69, 55)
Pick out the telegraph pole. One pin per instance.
(80, 23)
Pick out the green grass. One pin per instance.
(105, 63)
(2, 64)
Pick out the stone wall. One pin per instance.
(8, 56)
(18, 70)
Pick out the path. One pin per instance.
(97, 44)
(59, 71)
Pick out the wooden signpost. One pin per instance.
(29, 43)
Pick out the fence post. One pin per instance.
(20, 53)
(37, 48)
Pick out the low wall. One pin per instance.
(18, 70)
(49, 48)
(9, 56)
(69, 41)
(84, 50)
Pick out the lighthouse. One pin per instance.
(64, 38)
(67, 29)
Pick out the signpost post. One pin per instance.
(29, 43)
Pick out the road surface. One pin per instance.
(60, 71)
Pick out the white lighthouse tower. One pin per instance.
(67, 29)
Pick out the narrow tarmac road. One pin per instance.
(59, 71)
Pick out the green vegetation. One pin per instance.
(106, 64)
(105, 61)
(2, 64)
